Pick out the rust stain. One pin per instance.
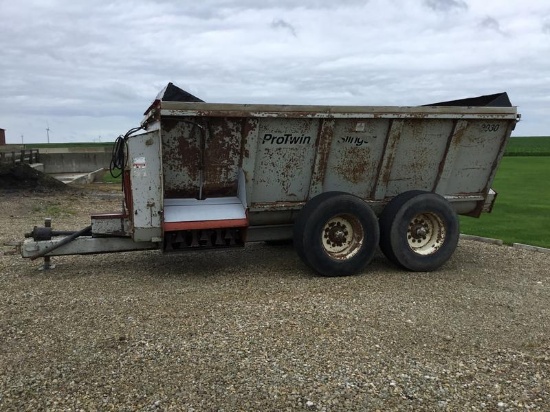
(209, 152)
(391, 150)
(277, 206)
(454, 142)
(180, 157)
(249, 128)
(222, 157)
(323, 144)
(354, 164)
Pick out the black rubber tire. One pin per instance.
(314, 222)
(302, 217)
(395, 222)
(387, 217)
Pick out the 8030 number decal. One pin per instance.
(490, 127)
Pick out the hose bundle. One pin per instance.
(118, 159)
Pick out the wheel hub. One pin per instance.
(426, 233)
(342, 236)
(419, 230)
(336, 233)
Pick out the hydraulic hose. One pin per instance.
(62, 242)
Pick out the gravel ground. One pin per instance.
(253, 329)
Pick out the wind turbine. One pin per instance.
(48, 132)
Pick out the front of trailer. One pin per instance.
(135, 227)
(183, 189)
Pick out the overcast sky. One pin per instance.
(88, 70)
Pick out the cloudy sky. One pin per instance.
(88, 70)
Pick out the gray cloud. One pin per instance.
(446, 5)
(282, 24)
(546, 27)
(490, 23)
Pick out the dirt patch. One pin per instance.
(24, 177)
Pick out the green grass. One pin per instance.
(528, 146)
(107, 178)
(522, 210)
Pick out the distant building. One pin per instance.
(2, 137)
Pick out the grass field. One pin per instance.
(108, 178)
(522, 209)
(528, 146)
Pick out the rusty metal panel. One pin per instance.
(251, 129)
(181, 156)
(222, 156)
(201, 156)
(326, 137)
(284, 159)
(388, 156)
(418, 154)
(355, 155)
(288, 154)
(476, 151)
(448, 162)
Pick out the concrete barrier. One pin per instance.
(79, 178)
(532, 248)
(482, 239)
(38, 166)
(71, 162)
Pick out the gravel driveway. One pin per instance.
(253, 329)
